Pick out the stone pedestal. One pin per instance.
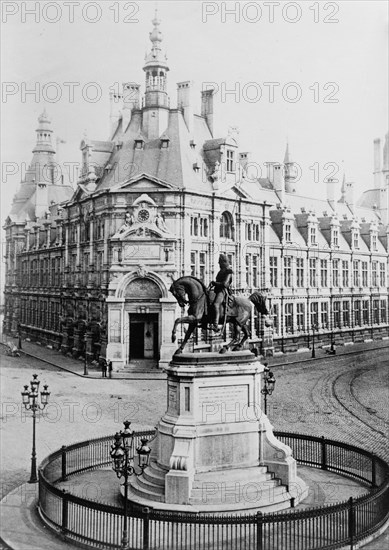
(215, 449)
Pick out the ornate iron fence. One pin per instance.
(100, 525)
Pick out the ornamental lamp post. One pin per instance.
(85, 360)
(30, 400)
(314, 327)
(122, 454)
(269, 384)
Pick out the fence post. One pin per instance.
(373, 472)
(323, 453)
(65, 508)
(259, 530)
(351, 522)
(63, 463)
(146, 527)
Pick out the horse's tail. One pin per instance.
(259, 301)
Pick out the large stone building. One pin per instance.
(89, 270)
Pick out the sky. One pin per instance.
(326, 64)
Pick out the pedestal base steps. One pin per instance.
(215, 450)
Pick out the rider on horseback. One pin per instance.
(221, 287)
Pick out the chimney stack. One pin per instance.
(207, 107)
(115, 102)
(131, 96)
(331, 185)
(349, 194)
(185, 102)
(377, 163)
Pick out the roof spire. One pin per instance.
(44, 134)
(287, 154)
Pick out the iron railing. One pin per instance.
(100, 525)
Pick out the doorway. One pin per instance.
(144, 337)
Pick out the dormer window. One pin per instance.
(355, 239)
(288, 232)
(164, 142)
(312, 235)
(139, 143)
(335, 236)
(374, 241)
(230, 160)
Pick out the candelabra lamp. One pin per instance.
(123, 457)
(32, 402)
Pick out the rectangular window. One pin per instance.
(335, 272)
(324, 314)
(365, 312)
(289, 318)
(276, 318)
(356, 277)
(288, 232)
(355, 239)
(288, 271)
(314, 314)
(337, 314)
(346, 313)
(345, 278)
(193, 264)
(364, 274)
(255, 271)
(312, 272)
(300, 272)
(248, 273)
(335, 236)
(357, 313)
(312, 233)
(202, 265)
(374, 280)
(230, 160)
(323, 273)
(382, 274)
(383, 311)
(300, 316)
(273, 271)
(376, 312)
(373, 241)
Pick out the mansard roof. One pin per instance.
(172, 164)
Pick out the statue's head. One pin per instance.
(223, 261)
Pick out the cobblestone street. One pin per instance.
(343, 397)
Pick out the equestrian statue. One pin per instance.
(216, 306)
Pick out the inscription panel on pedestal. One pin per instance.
(172, 398)
(223, 403)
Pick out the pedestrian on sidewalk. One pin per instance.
(110, 368)
(19, 336)
(104, 368)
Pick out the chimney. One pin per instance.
(131, 96)
(207, 107)
(279, 180)
(185, 102)
(270, 171)
(349, 194)
(377, 163)
(331, 186)
(115, 102)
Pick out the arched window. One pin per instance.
(226, 226)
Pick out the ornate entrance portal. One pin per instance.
(140, 316)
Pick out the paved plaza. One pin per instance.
(342, 397)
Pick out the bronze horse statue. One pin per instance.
(192, 291)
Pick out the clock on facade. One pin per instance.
(143, 215)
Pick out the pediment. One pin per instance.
(144, 182)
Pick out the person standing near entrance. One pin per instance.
(104, 368)
(221, 286)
